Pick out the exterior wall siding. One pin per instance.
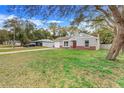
(81, 41)
(48, 44)
(61, 44)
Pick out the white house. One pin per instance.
(78, 41)
(44, 42)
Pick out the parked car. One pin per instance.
(30, 45)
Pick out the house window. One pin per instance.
(65, 43)
(86, 43)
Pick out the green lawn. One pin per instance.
(61, 68)
(5, 46)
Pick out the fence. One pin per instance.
(105, 46)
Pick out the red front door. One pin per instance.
(74, 44)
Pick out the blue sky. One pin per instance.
(4, 14)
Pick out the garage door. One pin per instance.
(57, 44)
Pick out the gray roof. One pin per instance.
(62, 38)
(43, 40)
(81, 35)
(84, 35)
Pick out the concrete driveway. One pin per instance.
(21, 51)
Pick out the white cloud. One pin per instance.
(11, 17)
(2, 16)
(39, 23)
(5, 17)
(2, 19)
(36, 21)
(71, 20)
(54, 21)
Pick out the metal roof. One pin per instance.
(43, 40)
(62, 38)
(80, 35)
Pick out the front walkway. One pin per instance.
(20, 51)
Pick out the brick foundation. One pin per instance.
(85, 48)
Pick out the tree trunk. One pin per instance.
(119, 37)
(117, 44)
(114, 50)
(22, 44)
(122, 49)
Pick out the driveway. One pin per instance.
(21, 51)
(10, 48)
(5, 48)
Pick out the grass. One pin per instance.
(18, 49)
(61, 68)
(5, 46)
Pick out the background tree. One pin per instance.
(72, 30)
(12, 25)
(54, 29)
(22, 30)
(4, 36)
(106, 37)
(25, 34)
(41, 34)
(62, 32)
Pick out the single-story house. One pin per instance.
(78, 41)
(44, 42)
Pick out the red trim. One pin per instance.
(82, 47)
(85, 48)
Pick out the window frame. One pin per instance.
(67, 42)
(87, 44)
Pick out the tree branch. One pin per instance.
(109, 23)
(105, 13)
(116, 14)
